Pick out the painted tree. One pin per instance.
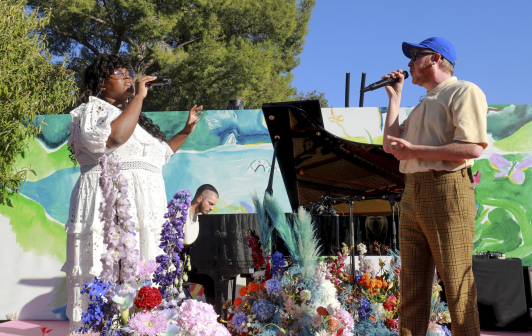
(30, 85)
(213, 50)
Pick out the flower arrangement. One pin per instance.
(319, 298)
(296, 299)
(122, 300)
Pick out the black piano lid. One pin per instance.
(314, 162)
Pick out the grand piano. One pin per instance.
(320, 171)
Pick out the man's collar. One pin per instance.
(443, 84)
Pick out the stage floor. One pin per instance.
(60, 328)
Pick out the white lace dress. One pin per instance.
(143, 157)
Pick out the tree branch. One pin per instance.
(83, 42)
(119, 38)
(184, 44)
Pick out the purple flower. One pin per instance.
(239, 321)
(273, 286)
(263, 309)
(171, 244)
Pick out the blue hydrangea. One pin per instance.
(263, 309)
(237, 321)
(273, 286)
(446, 330)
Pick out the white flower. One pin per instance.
(330, 310)
(436, 329)
(361, 248)
(377, 311)
(304, 308)
(305, 295)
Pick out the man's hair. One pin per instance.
(446, 66)
(206, 187)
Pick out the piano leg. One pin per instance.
(220, 288)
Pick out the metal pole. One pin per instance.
(394, 230)
(337, 233)
(347, 81)
(352, 243)
(362, 86)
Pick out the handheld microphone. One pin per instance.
(159, 82)
(383, 82)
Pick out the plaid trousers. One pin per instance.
(436, 229)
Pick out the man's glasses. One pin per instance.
(121, 74)
(415, 54)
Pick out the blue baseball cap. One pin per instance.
(437, 44)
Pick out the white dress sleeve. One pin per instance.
(169, 152)
(91, 125)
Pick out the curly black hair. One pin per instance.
(94, 80)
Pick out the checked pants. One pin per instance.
(436, 230)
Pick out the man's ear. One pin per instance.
(436, 58)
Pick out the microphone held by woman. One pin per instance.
(159, 82)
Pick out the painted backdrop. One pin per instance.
(232, 151)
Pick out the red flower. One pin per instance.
(148, 298)
(390, 303)
(230, 317)
(390, 323)
(322, 311)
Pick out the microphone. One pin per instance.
(159, 82)
(383, 82)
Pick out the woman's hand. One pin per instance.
(141, 90)
(193, 119)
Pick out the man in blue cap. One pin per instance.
(436, 145)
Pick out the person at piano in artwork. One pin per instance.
(109, 121)
(203, 203)
(436, 144)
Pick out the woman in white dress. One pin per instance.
(109, 121)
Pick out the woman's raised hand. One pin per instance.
(193, 118)
(141, 90)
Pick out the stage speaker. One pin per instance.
(501, 294)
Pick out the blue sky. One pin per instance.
(492, 38)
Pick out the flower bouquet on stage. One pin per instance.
(135, 296)
(306, 296)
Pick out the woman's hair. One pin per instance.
(94, 80)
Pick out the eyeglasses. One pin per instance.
(121, 74)
(414, 54)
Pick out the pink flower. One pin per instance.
(146, 267)
(317, 320)
(192, 312)
(346, 319)
(149, 324)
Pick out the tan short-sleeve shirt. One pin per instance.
(453, 110)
